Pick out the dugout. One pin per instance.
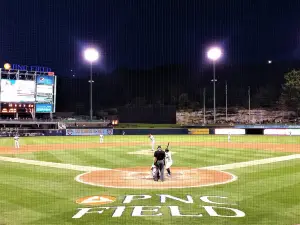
(255, 131)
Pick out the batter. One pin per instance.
(169, 161)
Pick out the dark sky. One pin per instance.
(146, 33)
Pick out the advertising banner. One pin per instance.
(43, 108)
(230, 131)
(290, 132)
(31, 133)
(45, 98)
(88, 132)
(44, 89)
(269, 126)
(17, 90)
(198, 131)
(44, 93)
(44, 80)
(54, 132)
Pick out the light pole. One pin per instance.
(91, 55)
(214, 54)
(204, 106)
(226, 100)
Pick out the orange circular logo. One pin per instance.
(7, 66)
(96, 200)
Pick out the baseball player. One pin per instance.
(228, 138)
(152, 141)
(101, 138)
(169, 161)
(17, 144)
(155, 172)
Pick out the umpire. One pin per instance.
(159, 161)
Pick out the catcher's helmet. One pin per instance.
(158, 147)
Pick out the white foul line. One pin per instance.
(252, 163)
(92, 168)
(52, 164)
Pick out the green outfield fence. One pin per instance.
(256, 130)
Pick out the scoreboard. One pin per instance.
(17, 108)
(27, 93)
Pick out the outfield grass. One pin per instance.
(267, 194)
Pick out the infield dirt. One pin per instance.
(140, 178)
(293, 148)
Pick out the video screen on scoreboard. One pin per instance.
(44, 93)
(43, 108)
(17, 90)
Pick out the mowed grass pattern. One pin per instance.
(268, 194)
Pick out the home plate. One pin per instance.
(144, 152)
(144, 175)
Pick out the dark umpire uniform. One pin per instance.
(159, 162)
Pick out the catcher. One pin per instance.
(154, 172)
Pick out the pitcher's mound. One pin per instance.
(141, 178)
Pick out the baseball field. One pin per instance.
(77, 180)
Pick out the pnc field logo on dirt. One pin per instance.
(207, 206)
(96, 200)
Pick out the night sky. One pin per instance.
(146, 33)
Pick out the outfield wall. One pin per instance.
(89, 132)
(134, 131)
(209, 131)
(31, 132)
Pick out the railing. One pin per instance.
(56, 120)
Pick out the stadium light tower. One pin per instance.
(214, 54)
(91, 55)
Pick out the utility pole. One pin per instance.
(249, 101)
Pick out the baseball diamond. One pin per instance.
(150, 112)
(76, 179)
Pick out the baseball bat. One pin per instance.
(168, 145)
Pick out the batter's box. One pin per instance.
(144, 152)
(148, 176)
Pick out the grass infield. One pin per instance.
(267, 193)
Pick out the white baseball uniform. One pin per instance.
(17, 144)
(168, 160)
(228, 137)
(101, 138)
(152, 142)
